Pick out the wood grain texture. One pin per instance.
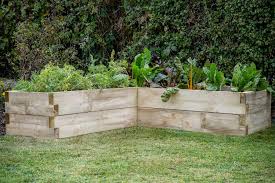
(258, 115)
(41, 110)
(95, 100)
(31, 130)
(66, 114)
(193, 100)
(29, 119)
(84, 123)
(191, 121)
(29, 98)
(164, 118)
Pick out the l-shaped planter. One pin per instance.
(73, 113)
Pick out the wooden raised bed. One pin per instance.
(225, 112)
(66, 114)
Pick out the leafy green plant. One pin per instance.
(141, 71)
(113, 76)
(193, 75)
(248, 78)
(53, 78)
(215, 79)
(166, 95)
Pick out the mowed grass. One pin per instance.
(140, 155)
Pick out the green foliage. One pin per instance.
(221, 31)
(113, 76)
(168, 93)
(248, 78)
(214, 79)
(37, 45)
(198, 75)
(61, 30)
(141, 71)
(5, 85)
(53, 78)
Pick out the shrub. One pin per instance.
(36, 46)
(53, 78)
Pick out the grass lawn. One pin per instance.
(140, 155)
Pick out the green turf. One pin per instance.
(140, 155)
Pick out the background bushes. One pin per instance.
(225, 32)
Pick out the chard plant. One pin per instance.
(248, 78)
(215, 79)
(193, 75)
(141, 71)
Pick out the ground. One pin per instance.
(140, 155)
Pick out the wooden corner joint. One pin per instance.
(51, 99)
(242, 98)
(244, 129)
(7, 98)
(56, 109)
(242, 120)
(7, 118)
(51, 122)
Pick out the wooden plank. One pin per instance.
(29, 98)
(42, 110)
(164, 118)
(95, 100)
(224, 122)
(84, 123)
(30, 130)
(193, 100)
(29, 119)
(255, 98)
(260, 118)
(239, 132)
(191, 121)
(258, 128)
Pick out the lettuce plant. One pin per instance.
(215, 79)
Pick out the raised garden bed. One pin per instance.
(66, 114)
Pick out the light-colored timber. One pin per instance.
(193, 100)
(73, 113)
